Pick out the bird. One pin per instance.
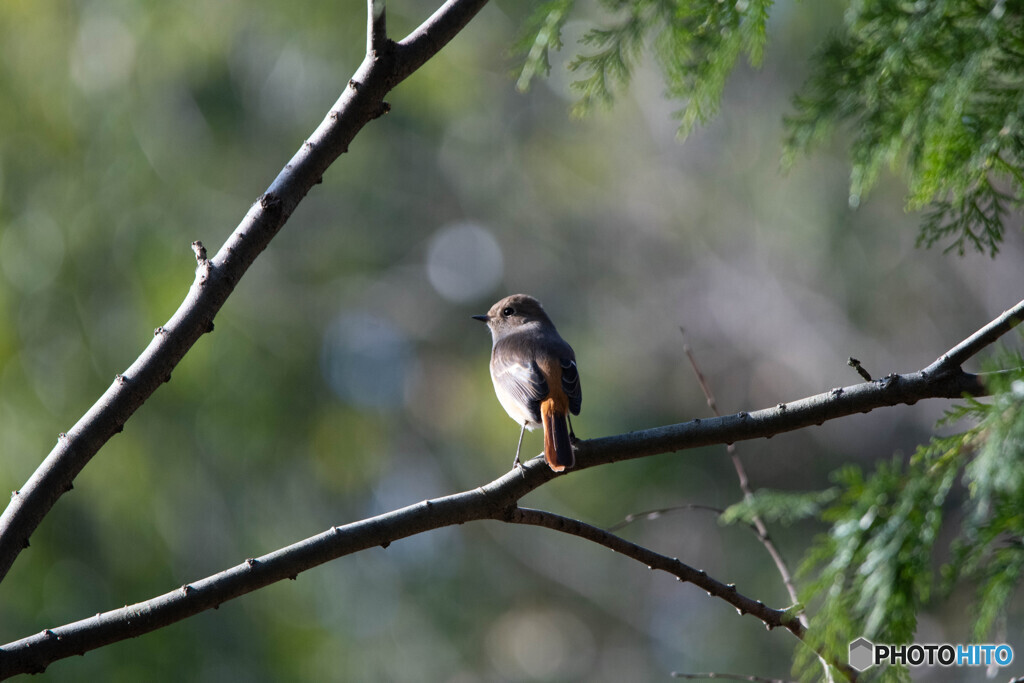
(535, 376)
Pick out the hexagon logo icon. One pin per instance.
(862, 653)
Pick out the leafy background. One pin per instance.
(345, 377)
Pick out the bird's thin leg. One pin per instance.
(516, 463)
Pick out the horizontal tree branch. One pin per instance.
(384, 66)
(892, 390)
(496, 500)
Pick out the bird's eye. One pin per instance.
(507, 311)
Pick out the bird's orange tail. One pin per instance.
(557, 447)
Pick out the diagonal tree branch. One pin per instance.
(496, 500)
(773, 618)
(385, 65)
(33, 654)
(956, 356)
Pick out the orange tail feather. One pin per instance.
(557, 446)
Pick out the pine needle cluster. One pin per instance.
(932, 90)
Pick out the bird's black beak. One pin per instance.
(481, 318)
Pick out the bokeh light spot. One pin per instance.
(31, 251)
(366, 360)
(103, 55)
(540, 644)
(464, 262)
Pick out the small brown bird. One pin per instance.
(534, 374)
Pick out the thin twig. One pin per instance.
(772, 618)
(376, 27)
(855, 364)
(655, 514)
(748, 494)
(731, 677)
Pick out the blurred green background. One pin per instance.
(345, 377)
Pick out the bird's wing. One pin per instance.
(523, 382)
(571, 384)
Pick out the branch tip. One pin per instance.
(376, 28)
(950, 362)
(855, 364)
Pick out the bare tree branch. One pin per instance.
(773, 618)
(892, 390)
(956, 356)
(216, 278)
(386, 64)
(33, 654)
(496, 500)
